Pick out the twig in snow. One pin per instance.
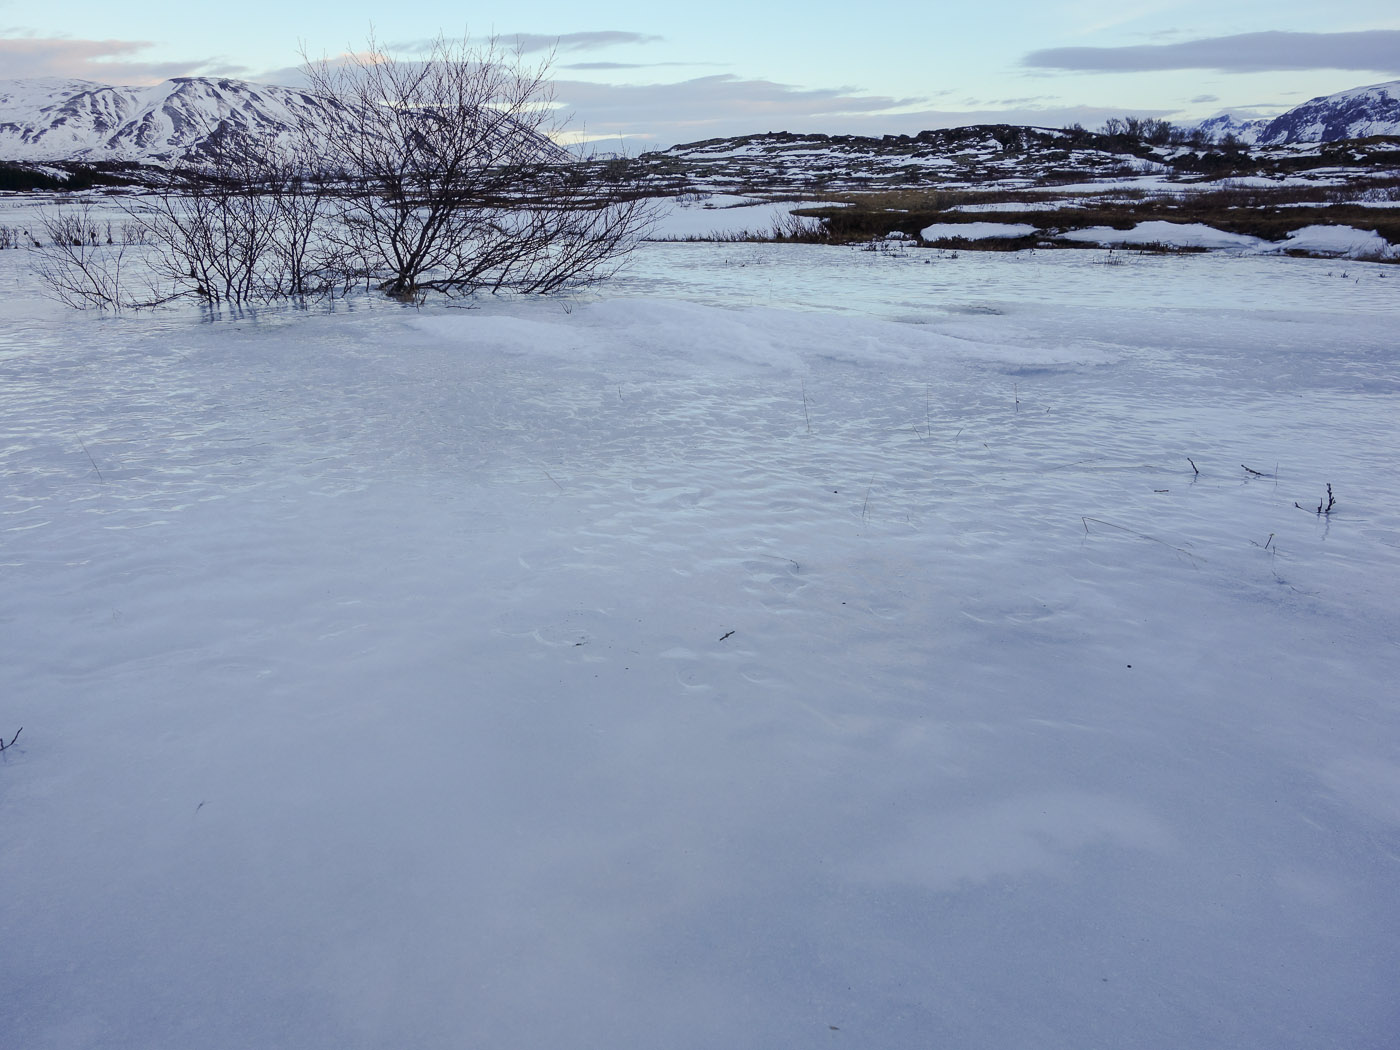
(4, 746)
(866, 505)
(1140, 535)
(1256, 473)
(806, 415)
(91, 460)
(1193, 466)
(725, 635)
(1324, 506)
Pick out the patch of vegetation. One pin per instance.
(1269, 213)
(31, 178)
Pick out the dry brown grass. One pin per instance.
(1270, 213)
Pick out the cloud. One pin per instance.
(104, 61)
(1375, 50)
(578, 41)
(722, 105)
(637, 65)
(701, 101)
(1199, 99)
(529, 43)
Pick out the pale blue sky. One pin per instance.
(659, 76)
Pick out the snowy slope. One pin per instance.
(52, 119)
(1358, 113)
(1245, 131)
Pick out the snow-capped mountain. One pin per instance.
(1245, 131)
(49, 119)
(52, 119)
(1357, 113)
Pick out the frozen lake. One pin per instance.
(778, 647)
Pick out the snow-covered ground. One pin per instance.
(847, 656)
(1174, 234)
(977, 231)
(1339, 241)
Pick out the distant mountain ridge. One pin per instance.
(53, 119)
(1356, 113)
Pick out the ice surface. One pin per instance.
(725, 215)
(849, 654)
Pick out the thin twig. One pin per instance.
(1139, 535)
(1325, 505)
(1193, 465)
(4, 746)
(92, 461)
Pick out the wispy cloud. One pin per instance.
(577, 41)
(530, 43)
(639, 65)
(1375, 50)
(104, 61)
(721, 105)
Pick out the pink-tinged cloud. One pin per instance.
(104, 61)
(717, 106)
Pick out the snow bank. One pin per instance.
(1345, 241)
(977, 231)
(1171, 234)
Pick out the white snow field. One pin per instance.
(848, 657)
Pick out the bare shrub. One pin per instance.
(433, 175)
(79, 267)
(447, 178)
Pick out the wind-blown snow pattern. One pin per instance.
(786, 646)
